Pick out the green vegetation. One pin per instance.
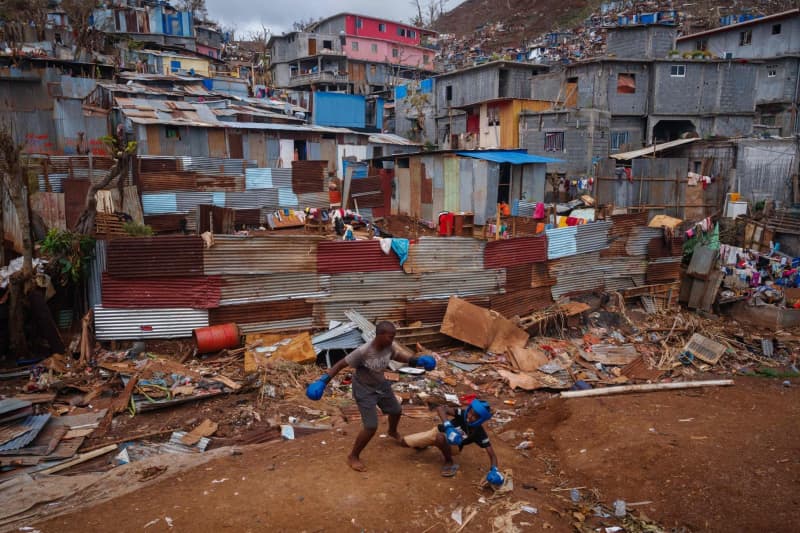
(137, 230)
(73, 252)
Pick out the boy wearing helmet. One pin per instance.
(465, 427)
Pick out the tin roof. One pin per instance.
(273, 287)
(518, 251)
(515, 157)
(392, 310)
(260, 312)
(232, 255)
(561, 242)
(445, 254)
(132, 324)
(308, 176)
(334, 257)
(521, 303)
(576, 274)
(445, 284)
(196, 292)
(149, 257)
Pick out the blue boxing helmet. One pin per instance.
(481, 409)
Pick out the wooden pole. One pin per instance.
(650, 387)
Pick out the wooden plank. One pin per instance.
(82, 458)
(206, 428)
(611, 354)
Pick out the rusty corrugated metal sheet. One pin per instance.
(50, 206)
(261, 312)
(194, 292)
(519, 277)
(349, 286)
(75, 192)
(232, 255)
(521, 303)
(621, 227)
(334, 257)
(576, 274)
(540, 276)
(367, 191)
(664, 270)
(273, 287)
(247, 217)
(168, 223)
(188, 181)
(148, 257)
(393, 310)
(158, 164)
(439, 254)
(445, 284)
(639, 238)
(512, 252)
(592, 237)
(293, 324)
(433, 311)
(308, 176)
(622, 272)
(658, 248)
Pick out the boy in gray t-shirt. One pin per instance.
(370, 388)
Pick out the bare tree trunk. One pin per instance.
(22, 282)
(85, 224)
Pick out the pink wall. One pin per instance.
(370, 28)
(381, 52)
(207, 50)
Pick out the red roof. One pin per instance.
(196, 292)
(334, 257)
(511, 252)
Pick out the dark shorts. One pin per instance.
(367, 398)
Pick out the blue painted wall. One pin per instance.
(340, 110)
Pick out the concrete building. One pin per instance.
(774, 40)
(350, 53)
(475, 101)
(615, 104)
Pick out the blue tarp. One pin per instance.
(515, 157)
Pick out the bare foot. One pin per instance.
(356, 464)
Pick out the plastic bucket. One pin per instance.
(215, 338)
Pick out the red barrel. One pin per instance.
(215, 338)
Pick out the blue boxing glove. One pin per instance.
(425, 361)
(451, 434)
(315, 390)
(494, 476)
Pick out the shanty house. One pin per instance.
(475, 181)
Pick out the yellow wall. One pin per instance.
(509, 119)
(199, 65)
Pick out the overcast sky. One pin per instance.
(278, 15)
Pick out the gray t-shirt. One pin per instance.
(370, 363)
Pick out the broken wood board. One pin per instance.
(705, 349)
(82, 458)
(531, 381)
(228, 382)
(527, 359)
(206, 428)
(266, 346)
(480, 327)
(611, 354)
(39, 397)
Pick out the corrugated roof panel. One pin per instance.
(320, 200)
(232, 255)
(519, 277)
(255, 313)
(148, 257)
(278, 325)
(282, 178)
(287, 198)
(445, 284)
(438, 254)
(592, 237)
(519, 251)
(540, 276)
(36, 423)
(247, 217)
(576, 274)
(258, 178)
(308, 176)
(516, 157)
(345, 337)
(273, 287)
(196, 292)
(133, 324)
(658, 248)
(561, 242)
(334, 257)
(215, 165)
(521, 303)
(159, 203)
(167, 223)
(665, 270)
(252, 199)
(96, 270)
(393, 310)
(639, 238)
(433, 311)
(351, 286)
(56, 182)
(188, 200)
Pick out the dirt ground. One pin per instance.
(712, 459)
